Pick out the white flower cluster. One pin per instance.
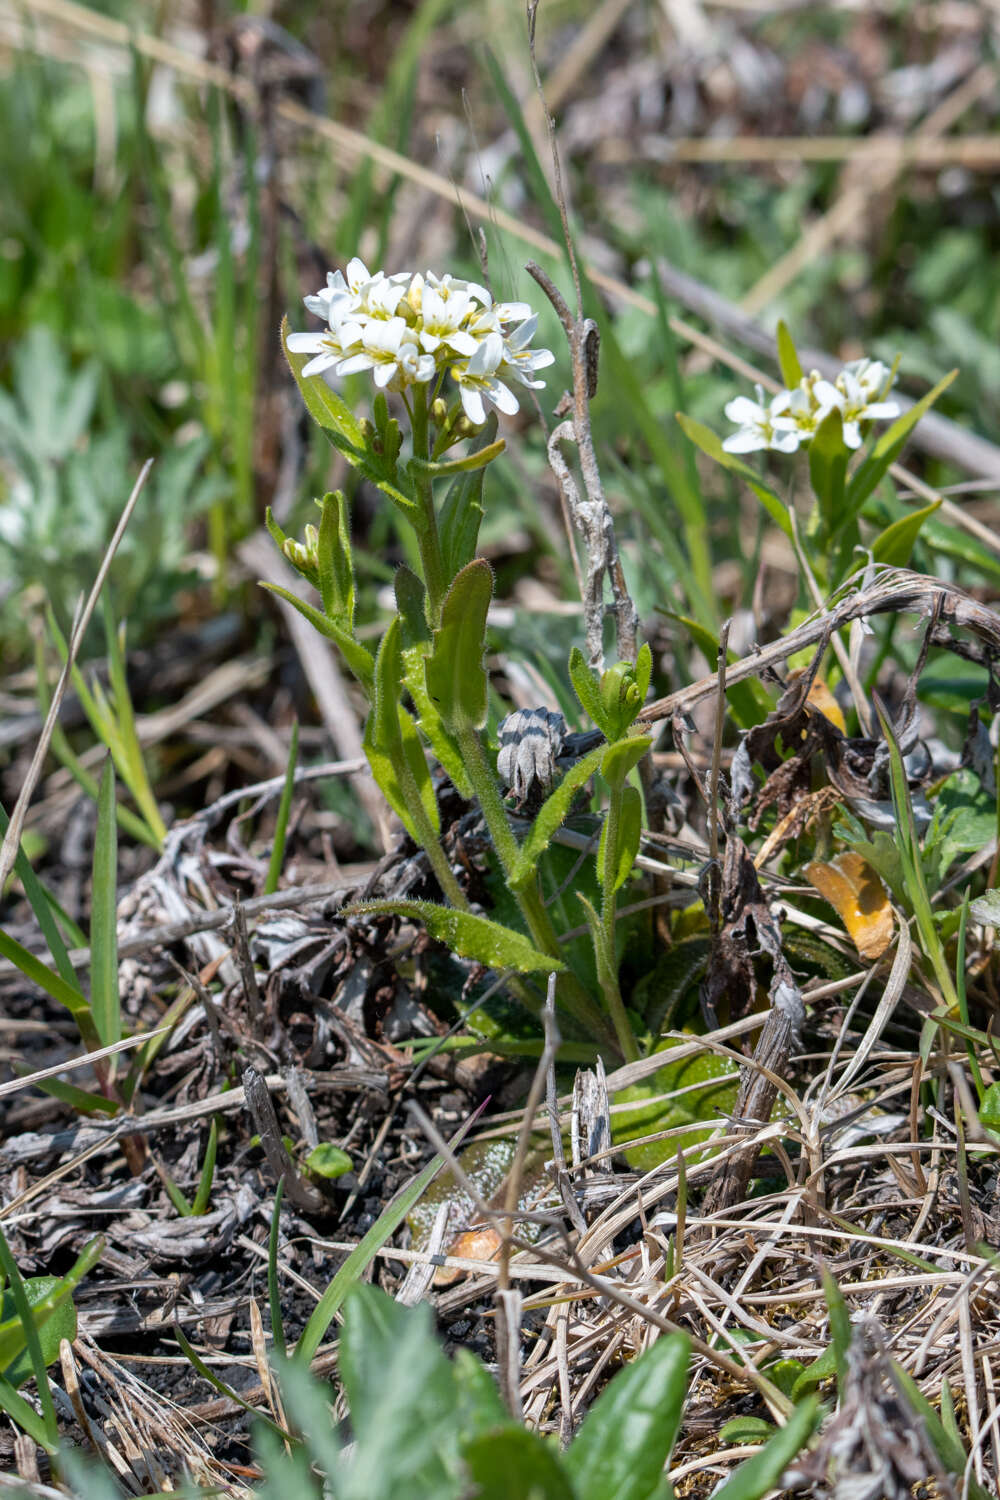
(789, 419)
(410, 330)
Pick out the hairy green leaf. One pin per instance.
(468, 935)
(455, 672)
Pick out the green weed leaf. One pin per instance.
(788, 359)
(761, 1473)
(516, 1461)
(625, 1440)
(629, 834)
(871, 471)
(468, 935)
(455, 673)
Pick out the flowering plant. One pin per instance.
(831, 420)
(443, 348)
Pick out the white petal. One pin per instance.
(322, 362)
(307, 343)
(356, 362)
(784, 442)
(880, 411)
(462, 343)
(747, 440)
(742, 409)
(827, 395)
(383, 373)
(503, 398)
(852, 434)
(472, 404)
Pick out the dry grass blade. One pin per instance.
(28, 1080)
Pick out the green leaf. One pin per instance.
(54, 986)
(761, 1473)
(586, 687)
(81, 1100)
(410, 596)
(281, 819)
(104, 997)
(711, 445)
(203, 1194)
(54, 1316)
(746, 1430)
(336, 573)
(840, 1323)
(989, 1108)
(788, 359)
(821, 1369)
(346, 433)
(401, 1394)
(431, 724)
(627, 1435)
(604, 955)
(273, 1284)
(462, 511)
(326, 1160)
(551, 816)
(357, 657)
(326, 408)
(391, 742)
(387, 766)
(479, 1406)
(896, 542)
(620, 759)
(468, 935)
(629, 834)
(454, 671)
(470, 463)
(828, 455)
(39, 902)
(876, 465)
(518, 1462)
(948, 1449)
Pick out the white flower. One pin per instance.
(761, 426)
(519, 360)
(441, 322)
(408, 329)
(855, 386)
(389, 351)
(478, 378)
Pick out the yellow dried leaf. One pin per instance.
(858, 897)
(824, 702)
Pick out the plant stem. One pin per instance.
(571, 992)
(428, 538)
(609, 977)
(427, 837)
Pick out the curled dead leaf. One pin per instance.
(858, 897)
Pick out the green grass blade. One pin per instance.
(133, 765)
(54, 986)
(223, 1389)
(104, 996)
(386, 1224)
(31, 1341)
(281, 823)
(204, 1193)
(41, 904)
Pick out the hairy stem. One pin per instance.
(609, 976)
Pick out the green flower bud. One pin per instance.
(621, 698)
